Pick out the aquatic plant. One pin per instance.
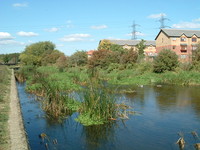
(54, 103)
(97, 106)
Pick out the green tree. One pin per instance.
(116, 48)
(196, 54)
(140, 47)
(34, 53)
(166, 60)
(196, 58)
(79, 58)
(6, 59)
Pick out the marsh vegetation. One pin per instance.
(53, 76)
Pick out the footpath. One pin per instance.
(17, 133)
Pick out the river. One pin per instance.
(164, 113)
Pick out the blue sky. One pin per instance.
(80, 24)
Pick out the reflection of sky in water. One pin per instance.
(164, 112)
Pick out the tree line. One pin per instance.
(108, 54)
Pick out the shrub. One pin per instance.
(166, 60)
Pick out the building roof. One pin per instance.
(178, 32)
(90, 52)
(131, 42)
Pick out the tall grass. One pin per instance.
(181, 78)
(4, 107)
(24, 73)
(97, 106)
(55, 100)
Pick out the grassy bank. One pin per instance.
(4, 107)
(128, 77)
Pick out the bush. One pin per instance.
(166, 60)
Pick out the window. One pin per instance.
(194, 39)
(194, 47)
(183, 56)
(173, 39)
(183, 39)
(173, 47)
(183, 48)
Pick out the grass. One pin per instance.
(138, 77)
(4, 107)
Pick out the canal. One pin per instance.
(163, 115)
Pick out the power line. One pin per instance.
(162, 22)
(134, 31)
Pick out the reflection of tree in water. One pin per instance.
(139, 96)
(98, 135)
(174, 97)
(195, 99)
(165, 96)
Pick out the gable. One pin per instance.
(161, 31)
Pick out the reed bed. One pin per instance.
(98, 107)
(54, 100)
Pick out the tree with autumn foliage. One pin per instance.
(104, 44)
(100, 59)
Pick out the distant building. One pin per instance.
(90, 53)
(150, 50)
(182, 42)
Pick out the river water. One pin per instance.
(164, 114)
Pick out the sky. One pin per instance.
(74, 25)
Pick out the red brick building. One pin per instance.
(182, 42)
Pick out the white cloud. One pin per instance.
(157, 16)
(20, 5)
(137, 34)
(197, 20)
(60, 45)
(27, 34)
(11, 42)
(69, 24)
(5, 36)
(113, 38)
(75, 37)
(69, 21)
(52, 29)
(99, 27)
(186, 25)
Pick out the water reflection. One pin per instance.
(98, 134)
(178, 97)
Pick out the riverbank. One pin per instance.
(5, 75)
(16, 127)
